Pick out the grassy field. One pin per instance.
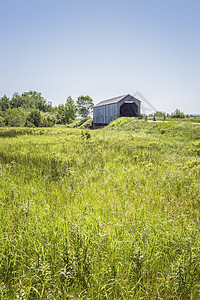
(105, 214)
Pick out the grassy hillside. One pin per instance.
(110, 215)
(171, 129)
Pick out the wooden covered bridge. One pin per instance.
(109, 110)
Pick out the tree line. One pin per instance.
(32, 110)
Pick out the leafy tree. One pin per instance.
(178, 114)
(4, 103)
(17, 101)
(34, 118)
(14, 117)
(84, 106)
(30, 100)
(60, 116)
(47, 120)
(69, 110)
(2, 124)
(36, 101)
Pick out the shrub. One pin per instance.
(178, 114)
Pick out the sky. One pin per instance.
(104, 49)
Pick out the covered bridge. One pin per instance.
(109, 110)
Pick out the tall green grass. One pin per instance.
(113, 215)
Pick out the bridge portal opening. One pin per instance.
(128, 110)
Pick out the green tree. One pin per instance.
(178, 114)
(4, 103)
(48, 120)
(2, 124)
(14, 117)
(60, 116)
(66, 112)
(17, 101)
(30, 100)
(84, 106)
(34, 118)
(35, 100)
(69, 110)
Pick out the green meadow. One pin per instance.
(101, 214)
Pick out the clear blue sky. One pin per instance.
(102, 48)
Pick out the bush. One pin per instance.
(34, 118)
(177, 114)
(48, 121)
(2, 124)
(14, 117)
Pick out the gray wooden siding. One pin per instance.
(105, 114)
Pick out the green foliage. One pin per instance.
(160, 114)
(87, 124)
(48, 120)
(34, 118)
(13, 112)
(60, 116)
(178, 114)
(85, 134)
(66, 113)
(84, 106)
(196, 147)
(2, 124)
(80, 122)
(69, 110)
(4, 103)
(114, 216)
(14, 117)
(30, 100)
